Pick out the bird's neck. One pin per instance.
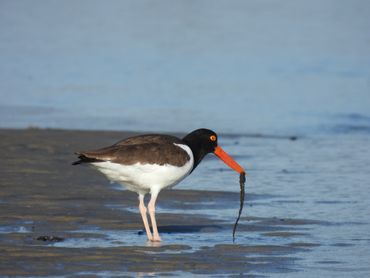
(198, 152)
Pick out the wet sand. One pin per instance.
(58, 219)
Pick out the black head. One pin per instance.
(201, 141)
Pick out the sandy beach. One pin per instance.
(57, 219)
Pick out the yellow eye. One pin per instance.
(213, 138)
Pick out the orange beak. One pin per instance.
(228, 160)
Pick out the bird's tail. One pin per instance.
(84, 159)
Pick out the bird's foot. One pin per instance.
(156, 238)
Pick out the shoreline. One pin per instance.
(291, 137)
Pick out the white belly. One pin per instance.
(145, 178)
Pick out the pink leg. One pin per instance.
(151, 208)
(143, 212)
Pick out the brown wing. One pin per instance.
(150, 138)
(148, 149)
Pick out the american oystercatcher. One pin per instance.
(150, 163)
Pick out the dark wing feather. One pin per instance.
(147, 149)
(149, 138)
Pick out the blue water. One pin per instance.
(239, 66)
(279, 68)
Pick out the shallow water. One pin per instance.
(325, 178)
(305, 212)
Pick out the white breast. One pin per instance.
(144, 178)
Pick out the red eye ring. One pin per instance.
(213, 138)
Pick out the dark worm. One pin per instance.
(242, 194)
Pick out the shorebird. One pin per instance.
(149, 163)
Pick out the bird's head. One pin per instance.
(203, 141)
